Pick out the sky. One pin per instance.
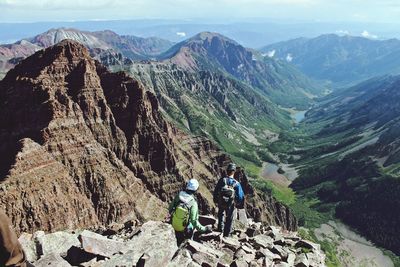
(287, 10)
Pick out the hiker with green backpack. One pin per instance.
(184, 213)
(228, 195)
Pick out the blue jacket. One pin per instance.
(239, 195)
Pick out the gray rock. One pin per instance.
(274, 232)
(156, 239)
(231, 243)
(99, 245)
(183, 259)
(242, 217)
(205, 259)
(29, 246)
(248, 249)
(291, 258)
(270, 255)
(262, 241)
(51, 259)
(55, 243)
(279, 250)
(195, 247)
(239, 263)
(301, 261)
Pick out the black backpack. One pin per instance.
(227, 193)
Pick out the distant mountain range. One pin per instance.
(353, 161)
(101, 44)
(340, 60)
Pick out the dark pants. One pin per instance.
(225, 219)
(182, 236)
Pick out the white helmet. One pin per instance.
(192, 185)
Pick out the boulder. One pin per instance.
(99, 245)
(291, 258)
(231, 243)
(270, 255)
(52, 260)
(205, 259)
(239, 263)
(274, 232)
(195, 247)
(156, 239)
(262, 241)
(279, 250)
(301, 261)
(227, 257)
(183, 259)
(248, 249)
(56, 243)
(29, 246)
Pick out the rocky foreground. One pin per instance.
(154, 244)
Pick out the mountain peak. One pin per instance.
(208, 36)
(63, 53)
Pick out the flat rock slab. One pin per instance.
(58, 242)
(99, 245)
(156, 239)
(52, 259)
(263, 241)
(195, 247)
(231, 243)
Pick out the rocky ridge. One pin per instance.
(154, 244)
(93, 147)
(107, 46)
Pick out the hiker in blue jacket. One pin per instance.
(228, 194)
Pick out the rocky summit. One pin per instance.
(82, 147)
(154, 244)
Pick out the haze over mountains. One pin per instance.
(340, 60)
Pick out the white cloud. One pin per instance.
(289, 58)
(343, 32)
(269, 53)
(181, 34)
(368, 35)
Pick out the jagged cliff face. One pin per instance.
(81, 146)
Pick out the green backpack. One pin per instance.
(180, 216)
